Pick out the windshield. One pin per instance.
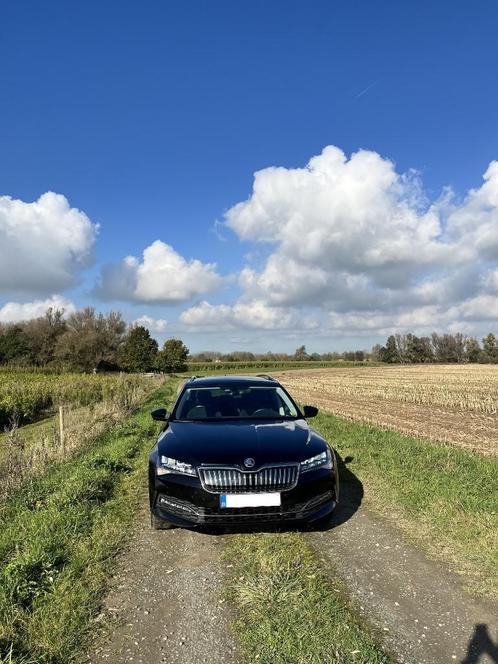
(214, 403)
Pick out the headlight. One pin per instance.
(322, 460)
(168, 465)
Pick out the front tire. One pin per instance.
(159, 524)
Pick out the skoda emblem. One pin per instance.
(249, 463)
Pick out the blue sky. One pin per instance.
(151, 119)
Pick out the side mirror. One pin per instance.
(310, 411)
(160, 414)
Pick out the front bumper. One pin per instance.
(182, 501)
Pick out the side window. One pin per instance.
(286, 406)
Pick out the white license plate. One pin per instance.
(250, 500)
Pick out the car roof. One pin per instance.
(220, 381)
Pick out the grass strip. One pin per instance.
(59, 537)
(442, 497)
(287, 609)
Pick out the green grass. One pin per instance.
(442, 497)
(59, 537)
(288, 610)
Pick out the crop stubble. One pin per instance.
(456, 404)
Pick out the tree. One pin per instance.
(389, 352)
(400, 340)
(172, 357)
(472, 350)
(377, 353)
(445, 347)
(91, 340)
(417, 349)
(490, 348)
(301, 354)
(13, 344)
(42, 335)
(139, 350)
(459, 348)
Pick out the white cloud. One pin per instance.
(252, 315)
(13, 312)
(356, 215)
(475, 221)
(490, 281)
(472, 315)
(162, 276)
(422, 318)
(42, 244)
(361, 243)
(479, 308)
(155, 325)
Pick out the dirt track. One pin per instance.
(417, 606)
(166, 602)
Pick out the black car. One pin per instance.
(238, 450)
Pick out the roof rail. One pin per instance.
(267, 376)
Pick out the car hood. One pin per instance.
(232, 442)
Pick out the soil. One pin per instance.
(474, 431)
(166, 603)
(416, 605)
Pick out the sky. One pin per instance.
(252, 175)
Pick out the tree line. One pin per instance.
(447, 348)
(87, 341)
(300, 355)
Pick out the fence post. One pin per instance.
(61, 429)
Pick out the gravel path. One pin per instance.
(166, 604)
(416, 604)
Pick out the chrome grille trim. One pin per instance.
(231, 479)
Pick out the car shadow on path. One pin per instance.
(350, 498)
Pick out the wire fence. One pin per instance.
(26, 452)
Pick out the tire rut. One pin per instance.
(417, 606)
(166, 605)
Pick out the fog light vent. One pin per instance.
(175, 505)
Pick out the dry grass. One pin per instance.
(456, 404)
(26, 452)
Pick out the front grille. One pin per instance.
(233, 480)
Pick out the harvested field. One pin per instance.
(456, 404)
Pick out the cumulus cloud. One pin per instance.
(252, 315)
(363, 245)
(161, 276)
(490, 281)
(479, 308)
(13, 312)
(474, 223)
(155, 325)
(43, 244)
(355, 215)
